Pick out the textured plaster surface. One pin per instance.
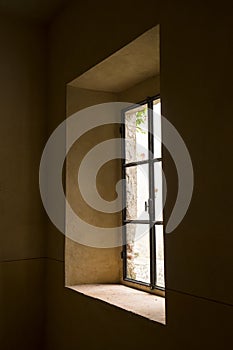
(141, 303)
(129, 66)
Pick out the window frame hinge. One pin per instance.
(122, 254)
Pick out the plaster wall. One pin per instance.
(196, 68)
(86, 264)
(23, 221)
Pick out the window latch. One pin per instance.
(147, 206)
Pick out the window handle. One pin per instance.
(147, 206)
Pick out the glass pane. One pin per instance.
(157, 128)
(159, 256)
(158, 191)
(137, 192)
(136, 134)
(138, 252)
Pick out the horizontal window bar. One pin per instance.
(157, 287)
(136, 163)
(144, 284)
(140, 162)
(143, 222)
(157, 160)
(147, 100)
(137, 282)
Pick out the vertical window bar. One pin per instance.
(152, 196)
(124, 249)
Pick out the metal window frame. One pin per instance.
(152, 222)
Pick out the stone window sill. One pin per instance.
(141, 303)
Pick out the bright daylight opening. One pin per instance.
(143, 198)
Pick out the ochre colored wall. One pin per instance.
(137, 93)
(84, 264)
(196, 78)
(22, 136)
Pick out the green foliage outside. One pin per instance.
(140, 119)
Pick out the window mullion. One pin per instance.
(152, 195)
(124, 250)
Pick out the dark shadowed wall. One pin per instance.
(196, 89)
(22, 136)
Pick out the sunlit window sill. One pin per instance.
(138, 302)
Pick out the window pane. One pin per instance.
(137, 192)
(159, 256)
(136, 134)
(157, 128)
(158, 191)
(138, 252)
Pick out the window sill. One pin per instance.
(138, 302)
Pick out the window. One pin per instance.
(143, 249)
(96, 272)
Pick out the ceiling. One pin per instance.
(134, 63)
(40, 10)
